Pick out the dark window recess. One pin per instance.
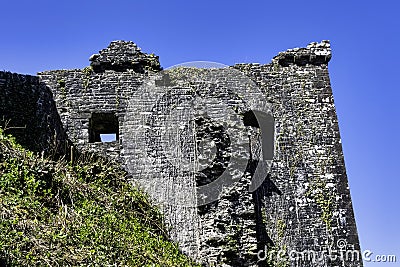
(104, 127)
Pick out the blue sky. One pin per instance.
(365, 36)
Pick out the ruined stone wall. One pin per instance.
(80, 93)
(104, 87)
(310, 208)
(28, 112)
(303, 203)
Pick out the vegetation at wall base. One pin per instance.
(55, 213)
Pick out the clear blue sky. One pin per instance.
(365, 37)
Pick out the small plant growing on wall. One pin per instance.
(87, 72)
(61, 85)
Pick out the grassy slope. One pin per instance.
(82, 214)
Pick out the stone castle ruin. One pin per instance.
(245, 161)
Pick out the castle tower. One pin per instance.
(197, 141)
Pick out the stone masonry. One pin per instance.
(179, 130)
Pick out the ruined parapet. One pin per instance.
(314, 53)
(121, 56)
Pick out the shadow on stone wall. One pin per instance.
(29, 113)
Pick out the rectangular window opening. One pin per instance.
(104, 127)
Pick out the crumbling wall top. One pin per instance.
(123, 55)
(315, 53)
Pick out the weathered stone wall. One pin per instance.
(311, 207)
(304, 202)
(80, 93)
(28, 112)
(104, 87)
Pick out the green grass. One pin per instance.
(82, 214)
